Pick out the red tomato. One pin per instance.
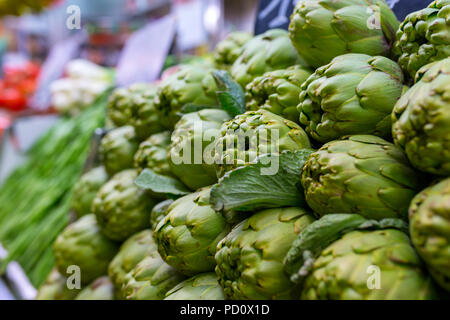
(12, 99)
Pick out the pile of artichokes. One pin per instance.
(354, 107)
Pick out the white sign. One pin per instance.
(145, 52)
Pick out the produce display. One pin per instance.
(309, 164)
(83, 84)
(46, 180)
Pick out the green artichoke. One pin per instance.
(100, 289)
(191, 157)
(250, 258)
(228, 50)
(135, 106)
(346, 257)
(424, 37)
(82, 244)
(120, 103)
(55, 288)
(430, 230)
(190, 85)
(278, 91)
(159, 212)
(85, 190)
(151, 278)
(253, 134)
(188, 235)
(117, 149)
(421, 120)
(360, 174)
(269, 51)
(354, 94)
(153, 154)
(132, 251)
(203, 286)
(324, 29)
(121, 208)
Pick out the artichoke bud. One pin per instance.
(100, 289)
(118, 104)
(254, 134)
(86, 189)
(250, 258)
(82, 244)
(153, 154)
(421, 120)
(151, 279)
(324, 29)
(132, 251)
(269, 51)
(55, 288)
(278, 91)
(203, 286)
(360, 174)
(191, 153)
(190, 85)
(351, 258)
(354, 94)
(121, 207)
(159, 212)
(430, 230)
(423, 37)
(187, 236)
(228, 50)
(117, 149)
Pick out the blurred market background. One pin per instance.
(133, 41)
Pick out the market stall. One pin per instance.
(230, 150)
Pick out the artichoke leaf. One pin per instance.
(246, 189)
(231, 95)
(159, 184)
(315, 238)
